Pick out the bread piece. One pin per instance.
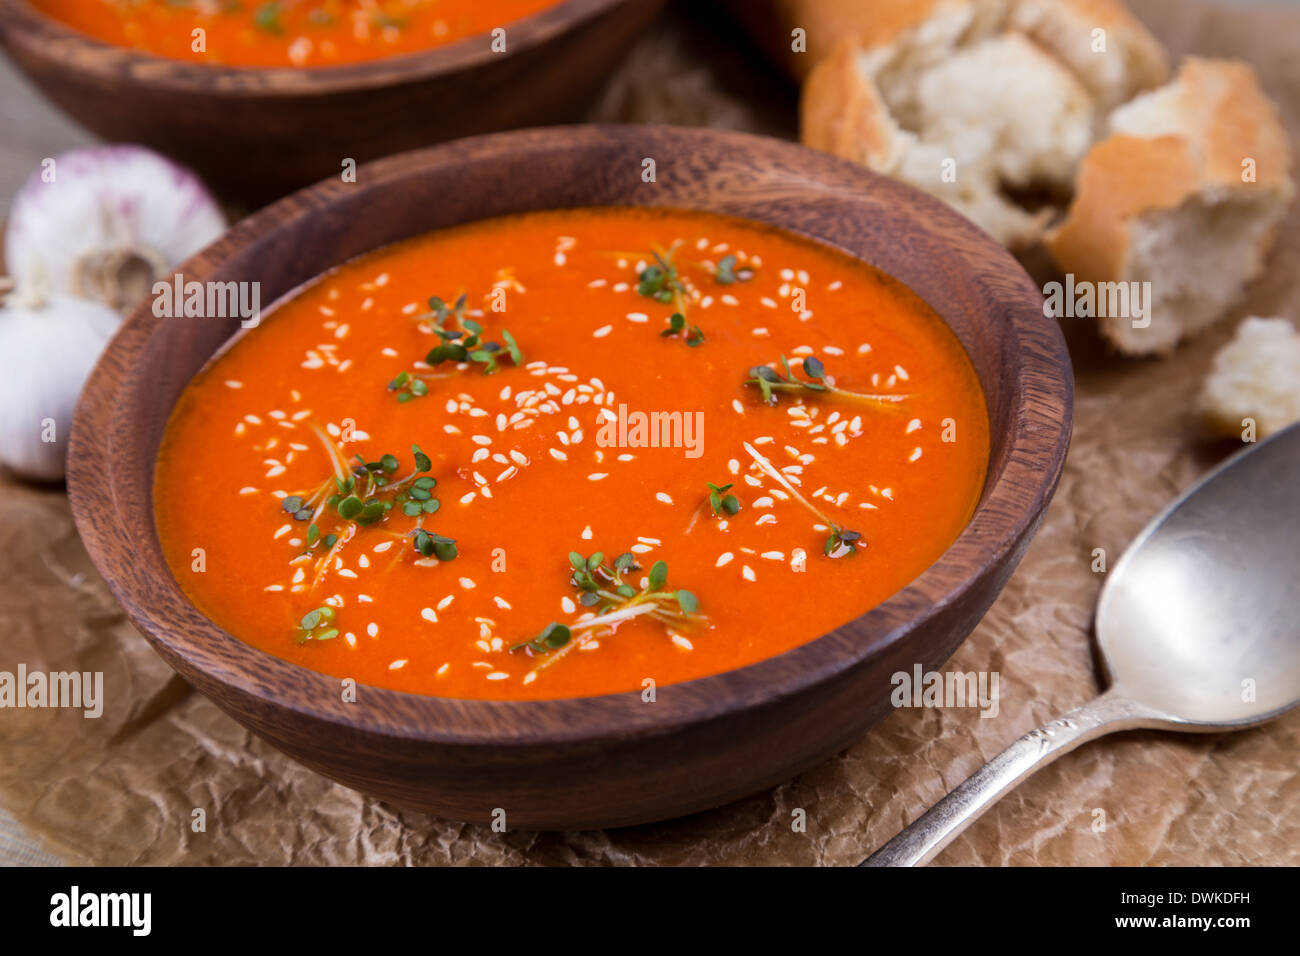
(1163, 200)
(995, 114)
(916, 34)
(1255, 376)
(1116, 65)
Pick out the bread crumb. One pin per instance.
(1255, 376)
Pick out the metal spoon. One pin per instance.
(1197, 629)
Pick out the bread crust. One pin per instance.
(842, 112)
(1065, 29)
(1218, 115)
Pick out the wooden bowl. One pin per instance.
(609, 760)
(255, 134)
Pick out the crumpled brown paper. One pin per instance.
(122, 789)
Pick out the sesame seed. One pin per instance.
(683, 643)
(372, 629)
(724, 558)
(398, 665)
(446, 602)
(665, 498)
(429, 614)
(740, 409)
(916, 453)
(597, 476)
(748, 573)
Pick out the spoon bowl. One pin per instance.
(1198, 619)
(1198, 629)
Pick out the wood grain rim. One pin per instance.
(1016, 493)
(21, 25)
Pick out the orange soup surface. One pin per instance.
(265, 33)
(489, 462)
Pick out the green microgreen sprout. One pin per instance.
(316, 625)
(726, 272)
(409, 385)
(771, 382)
(721, 502)
(841, 541)
(362, 493)
(606, 589)
(432, 545)
(693, 335)
(267, 17)
(464, 343)
(660, 280)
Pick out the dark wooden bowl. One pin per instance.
(610, 760)
(255, 134)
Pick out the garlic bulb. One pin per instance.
(104, 222)
(47, 350)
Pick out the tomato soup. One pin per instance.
(309, 33)
(566, 453)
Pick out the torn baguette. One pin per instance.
(993, 116)
(1168, 199)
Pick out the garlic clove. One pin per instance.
(46, 353)
(104, 222)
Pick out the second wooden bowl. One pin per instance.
(611, 760)
(255, 134)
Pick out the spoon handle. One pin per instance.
(929, 833)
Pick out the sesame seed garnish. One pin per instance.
(916, 453)
(467, 583)
(446, 602)
(429, 615)
(398, 665)
(748, 573)
(664, 497)
(372, 629)
(724, 559)
(597, 476)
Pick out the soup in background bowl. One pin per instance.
(606, 755)
(305, 33)
(273, 102)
